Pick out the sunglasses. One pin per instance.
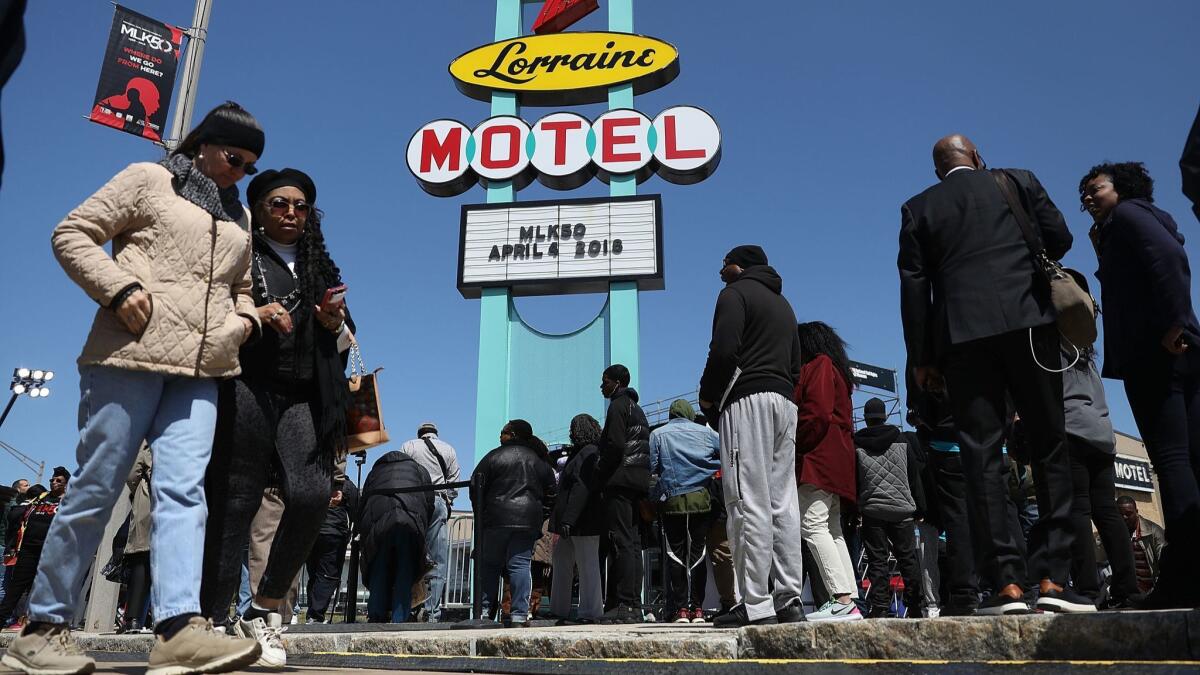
(279, 206)
(235, 160)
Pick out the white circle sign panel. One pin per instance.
(561, 140)
(622, 144)
(688, 138)
(437, 156)
(500, 148)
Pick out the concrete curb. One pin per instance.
(1149, 636)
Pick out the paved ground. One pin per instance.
(393, 665)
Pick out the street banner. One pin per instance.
(137, 75)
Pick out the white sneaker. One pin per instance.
(836, 611)
(269, 635)
(931, 612)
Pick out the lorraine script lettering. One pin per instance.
(513, 68)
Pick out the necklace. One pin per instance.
(290, 301)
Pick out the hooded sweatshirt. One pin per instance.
(889, 480)
(755, 347)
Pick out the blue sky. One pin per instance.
(828, 112)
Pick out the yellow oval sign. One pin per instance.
(565, 68)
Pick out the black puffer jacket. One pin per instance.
(384, 509)
(624, 444)
(577, 505)
(512, 488)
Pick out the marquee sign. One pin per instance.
(565, 68)
(564, 150)
(568, 246)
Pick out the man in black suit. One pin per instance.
(977, 322)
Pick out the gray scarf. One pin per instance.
(200, 190)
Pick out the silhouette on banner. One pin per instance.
(138, 75)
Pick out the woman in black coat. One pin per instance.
(578, 520)
(1152, 342)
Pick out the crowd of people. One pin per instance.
(213, 386)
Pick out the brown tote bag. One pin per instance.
(364, 419)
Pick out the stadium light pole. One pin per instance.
(26, 381)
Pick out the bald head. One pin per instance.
(955, 150)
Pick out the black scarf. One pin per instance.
(200, 190)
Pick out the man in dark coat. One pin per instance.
(394, 518)
(324, 563)
(746, 394)
(12, 47)
(974, 309)
(512, 490)
(623, 472)
(1189, 166)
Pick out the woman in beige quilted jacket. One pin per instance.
(175, 306)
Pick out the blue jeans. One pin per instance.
(510, 550)
(119, 408)
(390, 577)
(244, 594)
(437, 542)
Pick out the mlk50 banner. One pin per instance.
(138, 74)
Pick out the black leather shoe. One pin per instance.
(621, 614)
(792, 612)
(736, 618)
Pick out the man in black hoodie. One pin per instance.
(623, 477)
(746, 393)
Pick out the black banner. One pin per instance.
(873, 376)
(1133, 473)
(138, 75)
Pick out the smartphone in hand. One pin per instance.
(334, 297)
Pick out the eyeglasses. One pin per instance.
(279, 206)
(235, 160)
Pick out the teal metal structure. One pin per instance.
(547, 379)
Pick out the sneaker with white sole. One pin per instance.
(836, 611)
(197, 648)
(269, 634)
(49, 650)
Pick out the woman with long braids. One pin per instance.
(282, 421)
(826, 469)
(174, 306)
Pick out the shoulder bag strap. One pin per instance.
(1032, 240)
(438, 456)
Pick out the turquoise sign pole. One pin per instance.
(623, 295)
(491, 392)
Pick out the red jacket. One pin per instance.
(825, 430)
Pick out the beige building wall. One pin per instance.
(1149, 503)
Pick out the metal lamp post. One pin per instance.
(26, 381)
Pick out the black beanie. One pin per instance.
(222, 126)
(746, 255)
(271, 179)
(61, 471)
(875, 410)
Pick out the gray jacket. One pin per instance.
(884, 492)
(1086, 408)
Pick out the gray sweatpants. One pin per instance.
(758, 473)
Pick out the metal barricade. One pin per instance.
(460, 567)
